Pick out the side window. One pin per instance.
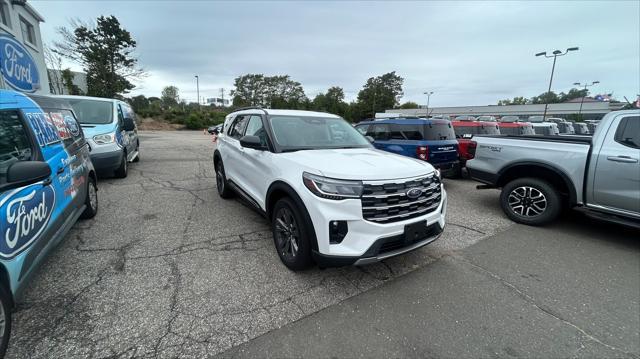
(67, 127)
(628, 132)
(14, 142)
(237, 127)
(255, 128)
(120, 114)
(362, 129)
(396, 132)
(379, 132)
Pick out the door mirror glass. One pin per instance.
(27, 172)
(128, 124)
(251, 142)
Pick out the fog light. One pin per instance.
(337, 231)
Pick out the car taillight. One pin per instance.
(422, 152)
(471, 149)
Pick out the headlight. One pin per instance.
(332, 188)
(105, 138)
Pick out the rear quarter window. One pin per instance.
(438, 131)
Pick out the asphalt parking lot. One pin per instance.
(169, 269)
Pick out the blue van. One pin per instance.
(431, 140)
(47, 182)
(110, 127)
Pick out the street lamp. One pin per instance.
(428, 99)
(585, 93)
(198, 89)
(555, 55)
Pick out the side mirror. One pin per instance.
(128, 125)
(371, 140)
(24, 173)
(251, 142)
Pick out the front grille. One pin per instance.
(388, 202)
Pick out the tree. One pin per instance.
(574, 93)
(409, 105)
(139, 103)
(105, 52)
(268, 91)
(547, 97)
(170, 96)
(380, 93)
(67, 81)
(54, 70)
(516, 101)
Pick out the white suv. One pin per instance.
(329, 195)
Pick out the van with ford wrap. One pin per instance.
(47, 182)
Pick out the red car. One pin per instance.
(516, 128)
(465, 130)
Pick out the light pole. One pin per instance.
(585, 93)
(428, 99)
(555, 55)
(198, 89)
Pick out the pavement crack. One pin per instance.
(541, 307)
(465, 227)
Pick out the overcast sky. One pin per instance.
(468, 53)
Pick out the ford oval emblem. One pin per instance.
(24, 216)
(414, 193)
(17, 67)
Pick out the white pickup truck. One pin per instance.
(539, 175)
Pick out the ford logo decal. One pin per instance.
(18, 68)
(414, 193)
(24, 215)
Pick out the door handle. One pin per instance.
(60, 170)
(623, 159)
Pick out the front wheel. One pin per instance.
(221, 181)
(530, 201)
(123, 170)
(290, 235)
(5, 320)
(91, 201)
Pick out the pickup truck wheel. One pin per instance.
(5, 320)
(290, 235)
(530, 201)
(221, 182)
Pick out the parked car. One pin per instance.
(487, 118)
(465, 130)
(329, 195)
(581, 128)
(510, 118)
(592, 125)
(216, 129)
(47, 182)
(564, 127)
(428, 140)
(516, 128)
(465, 118)
(545, 128)
(539, 175)
(110, 128)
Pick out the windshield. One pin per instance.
(92, 112)
(314, 133)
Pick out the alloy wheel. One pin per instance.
(527, 201)
(287, 233)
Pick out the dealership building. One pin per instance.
(22, 64)
(591, 110)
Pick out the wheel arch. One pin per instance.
(5, 282)
(280, 189)
(555, 176)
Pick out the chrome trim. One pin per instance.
(433, 196)
(430, 208)
(386, 255)
(398, 180)
(616, 211)
(400, 194)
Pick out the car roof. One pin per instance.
(285, 113)
(73, 97)
(406, 121)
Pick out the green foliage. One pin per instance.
(268, 91)
(379, 93)
(67, 81)
(139, 103)
(194, 121)
(547, 97)
(170, 96)
(409, 105)
(516, 101)
(105, 52)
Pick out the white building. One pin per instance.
(22, 64)
(218, 101)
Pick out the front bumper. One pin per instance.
(107, 161)
(364, 239)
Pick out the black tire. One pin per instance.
(530, 201)
(123, 170)
(221, 182)
(137, 159)
(91, 200)
(456, 173)
(290, 231)
(5, 316)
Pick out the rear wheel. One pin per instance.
(290, 235)
(530, 201)
(123, 170)
(5, 320)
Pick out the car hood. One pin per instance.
(358, 164)
(92, 130)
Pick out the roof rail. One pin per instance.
(250, 108)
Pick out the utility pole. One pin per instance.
(222, 95)
(198, 89)
(429, 93)
(585, 93)
(555, 55)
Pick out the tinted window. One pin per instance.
(255, 128)
(305, 132)
(628, 132)
(465, 130)
(407, 132)
(362, 129)
(92, 111)
(14, 142)
(379, 132)
(439, 131)
(238, 126)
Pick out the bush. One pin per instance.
(195, 122)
